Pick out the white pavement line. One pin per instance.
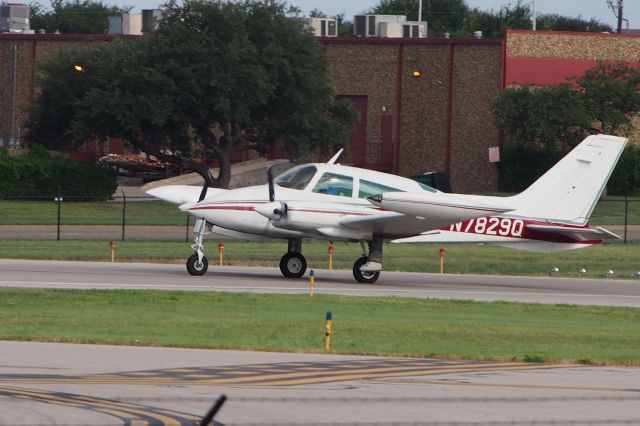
(305, 289)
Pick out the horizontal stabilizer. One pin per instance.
(579, 234)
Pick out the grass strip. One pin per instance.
(623, 259)
(610, 211)
(294, 323)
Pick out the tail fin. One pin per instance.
(569, 191)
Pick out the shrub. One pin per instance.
(520, 166)
(37, 174)
(625, 179)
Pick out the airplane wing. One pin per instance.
(394, 224)
(181, 194)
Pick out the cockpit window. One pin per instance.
(333, 184)
(368, 188)
(297, 177)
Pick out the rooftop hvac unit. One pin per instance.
(150, 20)
(322, 27)
(414, 29)
(390, 29)
(14, 18)
(369, 25)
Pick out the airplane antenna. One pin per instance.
(335, 157)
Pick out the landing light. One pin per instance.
(553, 270)
(581, 272)
(609, 273)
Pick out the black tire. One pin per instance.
(293, 265)
(364, 277)
(194, 267)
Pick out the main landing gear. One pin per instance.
(366, 268)
(197, 263)
(293, 264)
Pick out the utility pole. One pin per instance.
(617, 12)
(619, 16)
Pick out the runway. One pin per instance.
(50, 383)
(96, 275)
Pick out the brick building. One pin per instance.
(439, 121)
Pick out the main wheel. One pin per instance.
(364, 277)
(293, 265)
(195, 267)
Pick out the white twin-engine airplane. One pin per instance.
(334, 202)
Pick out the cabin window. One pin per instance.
(333, 184)
(368, 188)
(296, 178)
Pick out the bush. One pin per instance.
(37, 174)
(625, 179)
(520, 166)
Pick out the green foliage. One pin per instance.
(557, 22)
(540, 122)
(625, 179)
(38, 174)
(216, 74)
(494, 24)
(551, 118)
(611, 94)
(457, 18)
(74, 17)
(521, 165)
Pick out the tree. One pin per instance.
(611, 95)
(551, 118)
(442, 15)
(557, 22)
(494, 25)
(74, 16)
(214, 76)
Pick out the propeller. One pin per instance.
(274, 210)
(272, 192)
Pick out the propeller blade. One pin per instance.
(272, 193)
(203, 193)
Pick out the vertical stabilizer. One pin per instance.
(569, 191)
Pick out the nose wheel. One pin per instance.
(362, 276)
(196, 266)
(293, 265)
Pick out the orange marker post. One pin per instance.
(221, 252)
(442, 252)
(112, 246)
(312, 282)
(330, 251)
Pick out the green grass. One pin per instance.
(459, 259)
(90, 213)
(611, 211)
(608, 212)
(376, 326)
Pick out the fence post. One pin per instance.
(626, 216)
(124, 208)
(58, 200)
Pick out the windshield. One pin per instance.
(297, 177)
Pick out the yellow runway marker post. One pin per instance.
(312, 282)
(330, 251)
(221, 252)
(112, 246)
(329, 320)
